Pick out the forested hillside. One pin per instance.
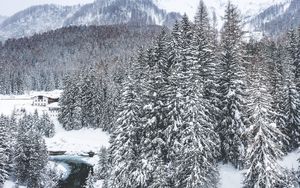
(41, 62)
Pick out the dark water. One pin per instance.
(79, 172)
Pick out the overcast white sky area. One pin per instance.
(10, 7)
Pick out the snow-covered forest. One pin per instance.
(177, 103)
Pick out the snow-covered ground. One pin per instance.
(8, 103)
(230, 177)
(291, 160)
(77, 141)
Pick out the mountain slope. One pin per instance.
(35, 19)
(264, 16)
(2, 18)
(278, 18)
(38, 19)
(42, 60)
(141, 12)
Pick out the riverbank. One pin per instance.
(79, 169)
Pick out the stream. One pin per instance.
(79, 171)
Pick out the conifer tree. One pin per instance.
(30, 154)
(291, 96)
(125, 143)
(70, 112)
(103, 164)
(273, 56)
(4, 150)
(205, 59)
(232, 86)
(90, 181)
(46, 125)
(294, 51)
(155, 110)
(38, 159)
(265, 139)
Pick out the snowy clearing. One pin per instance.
(77, 141)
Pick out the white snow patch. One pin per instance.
(99, 183)
(290, 161)
(10, 184)
(77, 141)
(230, 177)
(62, 170)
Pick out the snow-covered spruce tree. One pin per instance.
(90, 181)
(70, 102)
(46, 125)
(264, 145)
(13, 132)
(4, 150)
(103, 166)
(294, 51)
(88, 96)
(203, 50)
(232, 89)
(66, 100)
(20, 159)
(125, 149)
(291, 97)
(51, 178)
(30, 155)
(196, 143)
(38, 159)
(174, 116)
(155, 99)
(204, 56)
(292, 115)
(273, 56)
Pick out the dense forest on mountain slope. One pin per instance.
(40, 62)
